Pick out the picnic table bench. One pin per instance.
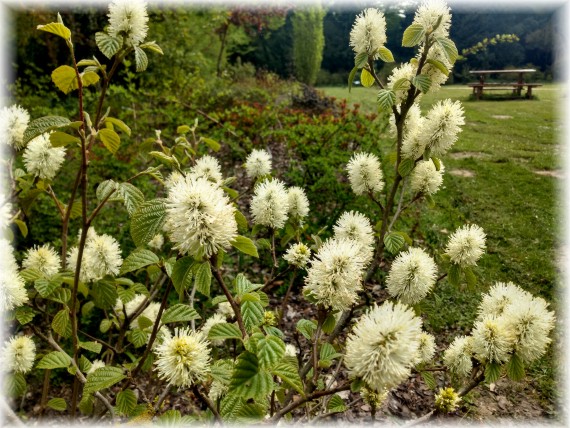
(517, 87)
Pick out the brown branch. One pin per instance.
(303, 400)
(229, 296)
(207, 402)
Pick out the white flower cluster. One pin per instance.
(335, 275)
(298, 203)
(466, 245)
(429, 13)
(412, 276)
(356, 226)
(368, 33)
(209, 168)
(383, 346)
(199, 217)
(18, 354)
(184, 358)
(442, 125)
(425, 178)
(510, 321)
(43, 259)
(258, 164)
(270, 204)
(365, 174)
(42, 159)
(13, 293)
(13, 122)
(101, 256)
(128, 19)
(298, 255)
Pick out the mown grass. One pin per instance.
(504, 146)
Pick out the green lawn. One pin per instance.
(499, 176)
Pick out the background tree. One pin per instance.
(308, 43)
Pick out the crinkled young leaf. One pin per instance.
(148, 220)
(203, 278)
(126, 402)
(270, 350)
(61, 323)
(224, 331)
(245, 245)
(289, 374)
(110, 139)
(108, 45)
(44, 124)
(413, 35)
(393, 242)
(248, 379)
(54, 360)
(179, 313)
(366, 78)
(65, 78)
(141, 60)
(56, 28)
(385, 54)
(386, 98)
(58, 404)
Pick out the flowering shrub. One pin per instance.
(192, 307)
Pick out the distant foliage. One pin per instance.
(308, 43)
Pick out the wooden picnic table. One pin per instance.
(517, 86)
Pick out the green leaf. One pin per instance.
(401, 84)
(108, 45)
(104, 294)
(328, 352)
(89, 78)
(182, 274)
(366, 78)
(214, 145)
(289, 374)
(54, 360)
(306, 328)
(393, 242)
(249, 413)
(269, 351)
(137, 337)
(203, 278)
(30, 274)
(24, 314)
(61, 139)
(141, 60)
(422, 82)
(429, 380)
(251, 311)
(248, 381)
(413, 35)
(336, 404)
(44, 124)
(131, 196)
(454, 274)
(449, 48)
(245, 245)
(351, 77)
(46, 287)
(361, 60)
(110, 139)
(386, 98)
(230, 407)
(105, 188)
(241, 220)
(221, 370)
(14, 384)
(102, 378)
(470, 277)
(61, 323)
(119, 124)
(152, 46)
(56, 28)
(515, 368)
(439, 65)
(139, 258)
(147, 221)
(91, 346)
(329, 324)
(224, 331)
(58, 404)
(243, 285)
(65, 78)
(357, 384)
(179, 313)
(86, 404)
(436, 163)
(406, 166)
(406, 237)
(492, 372)
(126, 402)
(385, 54)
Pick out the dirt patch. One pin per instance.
(467, 155)
(501, 116)
(462, 173)
(556, 173)
(506, 400)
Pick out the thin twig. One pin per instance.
(162, 397)
(207, 402)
